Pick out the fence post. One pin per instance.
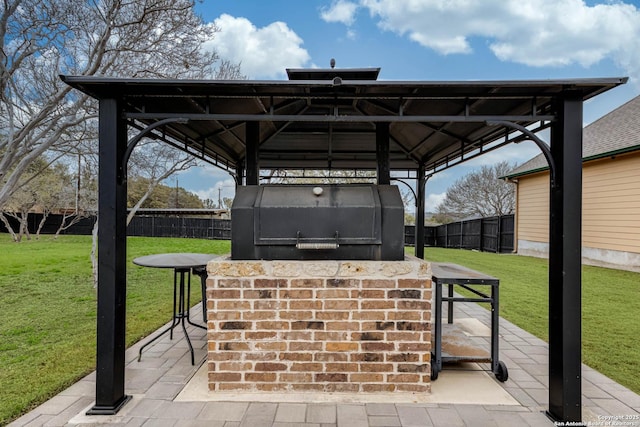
(499, 236)
(446, 235)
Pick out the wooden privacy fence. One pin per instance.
(494, 234)
(166, 226)
(51, 225)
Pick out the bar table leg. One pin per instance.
(181, 304)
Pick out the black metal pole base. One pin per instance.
(109, 410)
(558, 422)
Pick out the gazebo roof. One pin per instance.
(330, 122)
(339, 120)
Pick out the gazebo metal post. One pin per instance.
(421, 184)
(253, 143)
(565, 253)
(239, 174)
(112, 255)
(382, 153)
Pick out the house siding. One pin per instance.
(533, 208)
(611, 204)
(610, 211)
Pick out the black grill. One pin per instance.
(317, 222)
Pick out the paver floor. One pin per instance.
(165, 369)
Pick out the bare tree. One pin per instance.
(21, 203)
(228, 70)
(84, 200)
(41, 39)
(52, 188)
(29, 195)
(226, 203)
(479, 194)
(322, 176)
(156, 162)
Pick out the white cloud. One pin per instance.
(208, 171)
(444, 175)
(264, 53)
(536, 33)
(433, 200)
(340, 11)
(512, 153)
(221, 189)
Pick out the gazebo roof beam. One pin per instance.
(341, 118)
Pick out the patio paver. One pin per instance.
(165, 369)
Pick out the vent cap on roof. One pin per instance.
(332, 73)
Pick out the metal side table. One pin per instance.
(457, 275)
(182, 264)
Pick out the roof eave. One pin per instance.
(599, 156)
(101, 86)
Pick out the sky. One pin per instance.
(429, 40)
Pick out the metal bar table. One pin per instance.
(182, 264)
(456, 275)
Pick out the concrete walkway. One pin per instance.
(165, 370)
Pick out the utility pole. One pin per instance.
(177, 200)
(78, 185)
(219, 198)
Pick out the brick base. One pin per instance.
(322, 326)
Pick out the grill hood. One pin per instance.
(351, 222)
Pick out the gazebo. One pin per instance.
(344, 119)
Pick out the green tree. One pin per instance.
(162, 196)
(182, 199)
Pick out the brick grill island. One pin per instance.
(319, 326)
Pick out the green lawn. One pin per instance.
(48, 316)
(610, 306)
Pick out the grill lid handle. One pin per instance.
(316, 246)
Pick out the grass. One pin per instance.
(48, 316)
(610, 307)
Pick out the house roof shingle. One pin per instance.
(613, 133)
